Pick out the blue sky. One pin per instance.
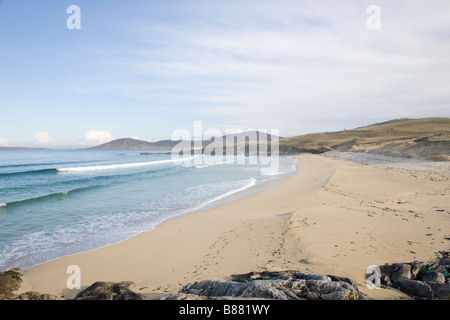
(145, 68)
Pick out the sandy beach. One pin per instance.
(334, 216)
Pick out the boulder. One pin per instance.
(10, 281)
(417, 289)
(440, 290)
(395, 272)
(418, 279)
(311, 276)
(417, 267)
(434, 276)
(263, 275)
(400, 272)
(257, 288)
(276, 286)
(329, 290)
(344, 279)
(109, 291)
(182, 296)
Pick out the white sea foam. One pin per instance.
(288, 166)
(251, 183)
(275, 172)
(208, 164)
(2, 205)
(121, 165)
(202, 166)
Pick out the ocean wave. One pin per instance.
(121, 165)
(74, 185)
(37, 164)
(49, 196)
(29, 172)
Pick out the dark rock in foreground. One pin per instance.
(419, 280)
(416, 289)
(109, 291)
(33, 295)
(287, 285)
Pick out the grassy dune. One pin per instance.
(427, 138)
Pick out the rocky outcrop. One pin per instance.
(11, 280)
(289, 285)
(109, 291)
(418, 279)
(33, 295)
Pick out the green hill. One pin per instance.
(427, 138)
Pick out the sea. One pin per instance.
(60, 202)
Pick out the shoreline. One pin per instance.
(27, 258)
(318, 220)
(232, 196)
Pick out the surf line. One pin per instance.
(122, 165)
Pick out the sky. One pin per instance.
(143, 69)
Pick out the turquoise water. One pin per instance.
(59, 202)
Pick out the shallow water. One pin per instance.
(59, 202)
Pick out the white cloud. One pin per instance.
(291, 64)
(44, 139)
(95, 137)
(3, 141)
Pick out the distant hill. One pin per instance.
(427, 138)
(134, 144)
